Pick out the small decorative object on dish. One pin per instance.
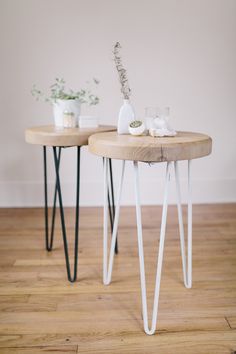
(136, 127)
(155, 132)
(161, 128)
(157, 122)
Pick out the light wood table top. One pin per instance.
(184, 146)
(49, 135)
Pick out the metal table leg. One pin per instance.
(186, 263)
(108, 264)
(58, 186)
(49, 241)
(57, 191)
(111, 202)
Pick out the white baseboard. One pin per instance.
(31, 194)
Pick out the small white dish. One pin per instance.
(136, 127)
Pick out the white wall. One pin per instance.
(180, 53)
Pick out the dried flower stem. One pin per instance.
(125, 89)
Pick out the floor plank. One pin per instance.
(38, 350)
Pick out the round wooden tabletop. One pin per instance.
(184, 146)
(49, 135)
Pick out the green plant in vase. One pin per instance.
(66, 100)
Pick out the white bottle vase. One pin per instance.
(126, 116)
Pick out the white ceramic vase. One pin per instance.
(126, 116)
(68, 106)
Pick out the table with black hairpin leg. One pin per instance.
(58, 139)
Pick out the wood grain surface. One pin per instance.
(184, 146)
(41, 312)
(49, 135)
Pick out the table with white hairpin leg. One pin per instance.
(170, 150)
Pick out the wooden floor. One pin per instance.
(42, 313)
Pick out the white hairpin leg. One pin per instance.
(141, 254)
(187, 272)
(107, 273)
(187, 267)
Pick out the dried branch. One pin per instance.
(125, 89)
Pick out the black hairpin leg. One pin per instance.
(111, 202)
(58, 186)
(49, 241)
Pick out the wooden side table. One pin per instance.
(184, 146)
(58, 138)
